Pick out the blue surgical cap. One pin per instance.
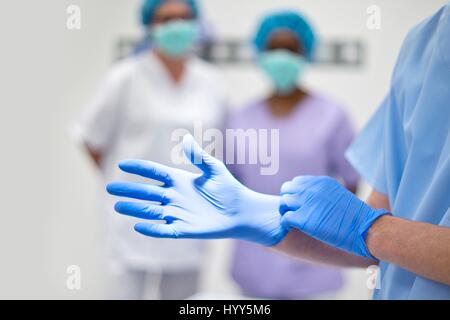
(150, 6)
(287, 20)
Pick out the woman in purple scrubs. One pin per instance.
(285, 44)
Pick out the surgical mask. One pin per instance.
(284, 68)
(175, 38)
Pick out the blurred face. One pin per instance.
(174, 30)
(170, 11)
(283, 61)
(284, 39)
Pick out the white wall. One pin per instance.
(48, 187)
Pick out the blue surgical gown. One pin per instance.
(404, 151)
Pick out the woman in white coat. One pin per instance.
(143, 101)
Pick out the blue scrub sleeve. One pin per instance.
(366, 153)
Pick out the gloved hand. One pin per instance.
(323, 209)
(211, 205)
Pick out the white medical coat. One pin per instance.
(133, 116)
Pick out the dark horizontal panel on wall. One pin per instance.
(336, 52)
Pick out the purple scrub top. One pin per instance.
(312, 141)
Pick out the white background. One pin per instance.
(48, 73)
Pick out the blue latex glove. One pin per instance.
(211, 205)
(323, 209)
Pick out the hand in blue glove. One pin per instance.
(323, 209)
(211, 205)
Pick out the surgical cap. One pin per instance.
(286, 20)
(150, 6)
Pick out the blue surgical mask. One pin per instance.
(175, 38)
(284, 68)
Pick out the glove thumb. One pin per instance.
(199, 157)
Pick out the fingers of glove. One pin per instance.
(140, 210)
(147, 169)
(141, 191)
(156, 230)
(292, 219)
(296, 185)
(199, 157)
(291, 202)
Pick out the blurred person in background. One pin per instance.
(285, 43)
(142, 101)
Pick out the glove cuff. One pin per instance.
(270, 231)
(364, 230)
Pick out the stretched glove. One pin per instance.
(323, 209)
(211, 205)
